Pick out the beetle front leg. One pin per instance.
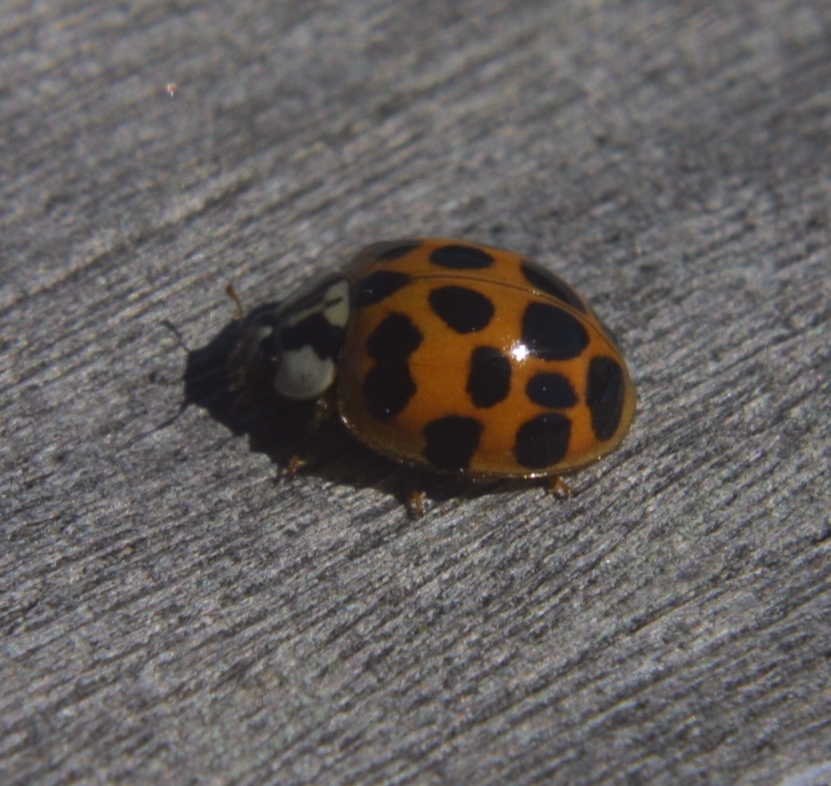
(324, 408)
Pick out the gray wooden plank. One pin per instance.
(170, 615)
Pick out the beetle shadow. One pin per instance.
(279, 428)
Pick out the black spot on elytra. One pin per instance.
(489, 380)
(551, 333)
(397, 250)
(537, 276)
(551, 390)
(542, 441)
(463, 310)
(378, 286)
(394, 339)
(389, 385)
(459, 257)
(317, 332)
(388, 388)
(604, 396)
(451, 442)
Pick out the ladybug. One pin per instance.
(452, 357)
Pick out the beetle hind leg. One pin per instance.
(555, 485)
(414, 495)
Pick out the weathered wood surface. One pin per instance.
(170, 615)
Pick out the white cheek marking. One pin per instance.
(303, 375)
(337, 296)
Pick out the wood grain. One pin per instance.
(171, 615)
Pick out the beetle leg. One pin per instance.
(324, 409)
(415, 503)
(414, 494)
(558, 487)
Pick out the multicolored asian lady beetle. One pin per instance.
(451, 357)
